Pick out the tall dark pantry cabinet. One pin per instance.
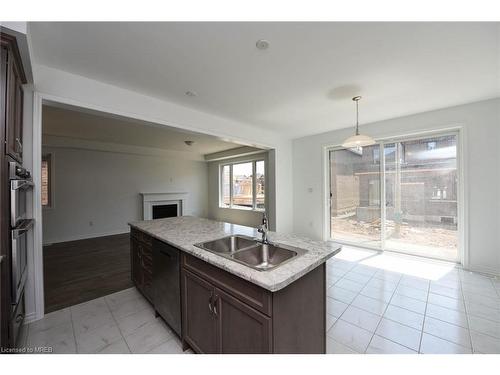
(12, 77)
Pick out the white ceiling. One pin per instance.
(95, 126)
(302, 84)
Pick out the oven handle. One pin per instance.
(23, 228)
(20, 184)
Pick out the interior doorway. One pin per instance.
(399, 195)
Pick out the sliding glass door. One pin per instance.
(355, 195)
(399, 195)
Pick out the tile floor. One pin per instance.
(377, 303)
(123, 322)
(390, 303)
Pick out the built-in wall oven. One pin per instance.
(21, 186)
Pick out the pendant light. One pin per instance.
(358, 140)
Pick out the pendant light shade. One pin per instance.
(358, 140)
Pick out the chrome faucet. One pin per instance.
(264, 228)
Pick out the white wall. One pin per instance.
(103, 188)
(481, 124)
(237, 216)
(81, 91)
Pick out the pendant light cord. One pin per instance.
(357, 118)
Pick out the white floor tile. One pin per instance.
(340, 294)
(435, 345)
(477, 299)
(399, 333)
(172, 346)
(98, 339)
(376, 293)
(51, 320)
(361, 318)
(411, 292)
(485, 326)
(483, 312)
(446, 291)
(385, 285)
(334, 347)
(148, 336)
(334, 307)
(448, 315)
(403, 316)
(447, 331)
(484, 343)
(60, 338)
(408, 303)
(357, 277)
(380, 345)
(389, 276)
(128, 324)
(372, 305)
(365, 270)
(415, 282)
(128, 307)
(449, 303)
(117, 347)
(92, 321)
(351, 336)
(350, 285)
(330, 321)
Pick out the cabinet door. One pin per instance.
(199, 324)
(241, 328)
(146, 252)
(14, 108)
(135, 260)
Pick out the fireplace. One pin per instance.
(161, 205)
(161, 211)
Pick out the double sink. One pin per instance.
(251, 253)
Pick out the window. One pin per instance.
(47, 180)
(243, 185)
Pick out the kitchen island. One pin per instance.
(217, 305)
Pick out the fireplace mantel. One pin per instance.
(153, 199)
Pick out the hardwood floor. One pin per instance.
(80, 271)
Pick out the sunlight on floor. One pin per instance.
(409, 265)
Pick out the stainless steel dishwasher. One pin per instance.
(166, 284)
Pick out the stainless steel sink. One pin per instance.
(228, 244)
(252, 253)
(265, 256)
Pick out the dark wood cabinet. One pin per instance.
(241, 329)
(12, 78)
(14, 105)
(223, 313)
(199, 320)
(141, 254)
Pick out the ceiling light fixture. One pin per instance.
(358, 140)
(262, 44)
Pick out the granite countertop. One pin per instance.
(185, 231)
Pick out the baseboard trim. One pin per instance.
(84, 237)
(487, 271)
(30, 318)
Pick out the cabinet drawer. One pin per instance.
(141, 236)
(251, 294)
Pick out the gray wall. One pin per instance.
(103, 188)
(481, 124)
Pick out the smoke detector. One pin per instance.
(191, 94)
(262, 44)
(189, 143)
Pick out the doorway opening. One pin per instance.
(399, 195)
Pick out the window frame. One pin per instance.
(254, 185)
(49, 156)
